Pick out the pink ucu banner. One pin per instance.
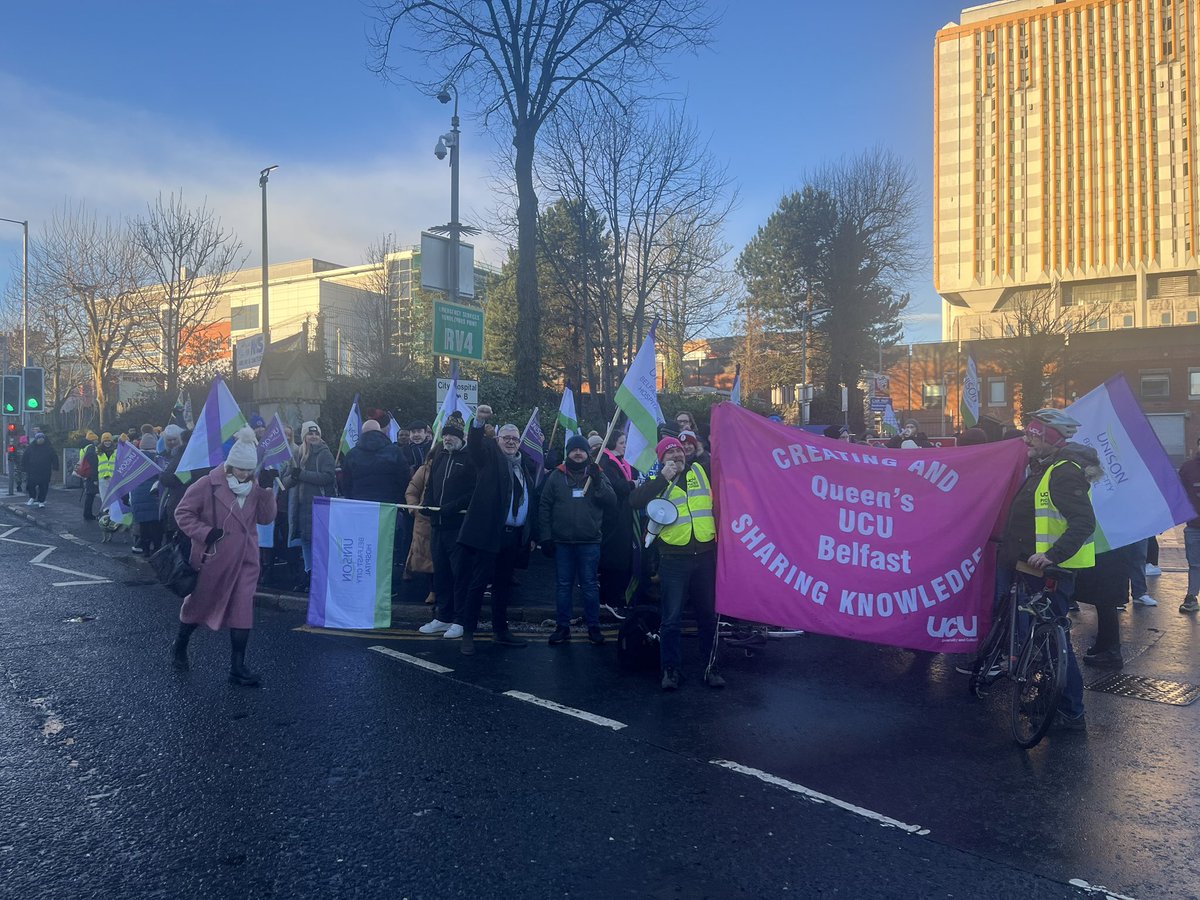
(887, 546)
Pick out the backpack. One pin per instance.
(84, 469)
(637, 639)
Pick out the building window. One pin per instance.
(996, 392)
(1191, 317)
(242, 318)
(1156, 386)
(1166, 318)
(1194, 384)
(931, 394)
(1127, 321)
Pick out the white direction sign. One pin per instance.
(468, 390)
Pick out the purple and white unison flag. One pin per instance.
(220, 419)
(273, 449)
(132, 468)
(1140, 494)
(352, 564)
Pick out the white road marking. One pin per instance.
(47, 549)
(567, 710)
(413, 660)
(818, 797)
(1098, 889)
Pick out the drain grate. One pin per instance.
(1139, 688)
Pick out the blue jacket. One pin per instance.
(144, 503)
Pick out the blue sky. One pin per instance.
(108, 104)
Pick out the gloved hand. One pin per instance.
(548, 549)
(213, 536)
(267, 477)
(594, 472)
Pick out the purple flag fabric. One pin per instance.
(273, 449)
(132, 468)
(533, 440)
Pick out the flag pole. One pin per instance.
(611, 425)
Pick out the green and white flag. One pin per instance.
(566, 414)
(969, 407)
(352, 544)
(452, 404)
(352, 430)
(638, 399)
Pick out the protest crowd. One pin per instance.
(475, 501)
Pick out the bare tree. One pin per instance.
(697, 293)
(523, 59)
(95, 272)
(664, 200)
(1036, 348)
(383, 324)
(189, 258)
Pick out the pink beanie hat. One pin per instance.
(666, 444)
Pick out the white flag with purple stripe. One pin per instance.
(1140, 494)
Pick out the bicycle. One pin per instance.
(749, 637)
(1030, 650)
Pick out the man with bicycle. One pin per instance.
(1051, 523)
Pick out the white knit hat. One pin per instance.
(244, 453)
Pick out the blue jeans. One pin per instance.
(577, 562)
(686, 576)
(306, 552)
(1191, 545)
(1071, 703)
(1137, 568)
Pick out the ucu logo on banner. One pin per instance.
(952, 627)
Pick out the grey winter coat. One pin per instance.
(315, 478)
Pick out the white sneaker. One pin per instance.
(434, 627)
(30, 502)
(454, 631)
(1145, 600)
(41, 505)
(1152, 569)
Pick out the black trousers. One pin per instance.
(479, 568)
(151, 535)
(89, 502)
(447, 562)
(38, 488)
(613, 585)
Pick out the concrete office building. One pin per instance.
(1065, 164)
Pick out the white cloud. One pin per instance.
(115, 159)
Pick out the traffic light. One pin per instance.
(12, 395)
(11, 437)
(34, 389)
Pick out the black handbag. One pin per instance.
(171, 566)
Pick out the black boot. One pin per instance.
(179, 655)
(238, 673)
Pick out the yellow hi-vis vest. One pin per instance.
(105, 465)
(1049, 524)
(695, 510)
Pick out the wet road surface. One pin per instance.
(353, 772)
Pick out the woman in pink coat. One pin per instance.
(219, 514)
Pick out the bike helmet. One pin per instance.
(1058, 420)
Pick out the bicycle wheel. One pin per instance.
(986, 667)
(1038, 684)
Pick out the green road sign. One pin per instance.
(457, 331)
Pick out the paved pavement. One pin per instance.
(826, 767)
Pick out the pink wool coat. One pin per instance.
(224, 595)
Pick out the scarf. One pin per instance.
(241, 489)
(518, 479)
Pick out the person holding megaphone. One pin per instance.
(688, 567)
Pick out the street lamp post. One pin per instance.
(451, 142)
(24, 223)
(266, 309)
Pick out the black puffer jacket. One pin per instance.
(450, 486)
(568, 519)
(1069, 487)
(375, 470)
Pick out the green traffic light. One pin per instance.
(32, 403)
(9, 408)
